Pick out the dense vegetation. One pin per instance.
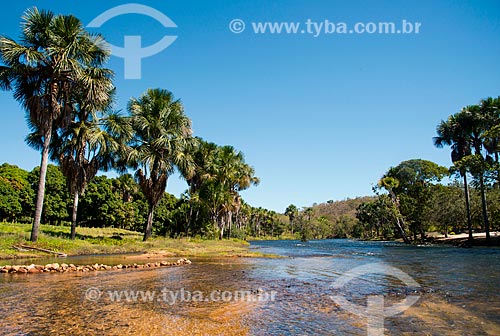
(120, 203)
(57, 73)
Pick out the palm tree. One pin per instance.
(292, 212)
(231, 175)
(390, 183)
(491, 136)
(220, 174)
(161, 142)
(476, 121)
(202, 154)
(87, 144)
(453, 132)
(41, 70)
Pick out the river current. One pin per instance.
(317, 288)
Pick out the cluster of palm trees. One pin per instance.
(57, 73)
(474, 136)
(220, 173)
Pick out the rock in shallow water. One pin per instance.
(56, 268)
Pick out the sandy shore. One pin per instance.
(462, 238)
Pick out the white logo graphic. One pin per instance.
(237, 26)
(375, 312)
(132, 51)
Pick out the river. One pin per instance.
(457, 292)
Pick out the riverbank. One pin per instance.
(112, 241)
(462, 239)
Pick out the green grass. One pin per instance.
(110, 241)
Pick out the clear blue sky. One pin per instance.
(318, 118)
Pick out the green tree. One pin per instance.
(415, 179)
(490, 107)
(16, 194)
(55, 50)
(161, 142)
(113, 203)
(454, 132)
(231, 175)
(292, 213)
(447, 208)
(390, 184)
(220, 174)
(57, 199)
(378, 217)
(306, 229)
(477, 164)
(480, 125)
(86, 145)
(171, 216)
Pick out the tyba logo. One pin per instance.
(132, 51)
(375, 311)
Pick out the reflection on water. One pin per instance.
(49, 304)
(459, 294)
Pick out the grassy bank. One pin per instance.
(111, 241)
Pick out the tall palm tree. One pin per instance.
(202, 154)
(161, 142)
(87, 144)
(292, 213)
(491, 137)
(41, 70)
(454, 132)
(477, 122)
(230, 174)
(220, 174)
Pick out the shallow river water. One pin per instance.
(458, 293)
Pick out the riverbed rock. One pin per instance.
(62, 268)
(51, 267)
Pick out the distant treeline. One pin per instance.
(421, 207)
(411, 198)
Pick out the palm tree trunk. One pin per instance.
(229, 223)
(485, 210)
(41, 185)
(467, 208)
(399, 221)
(402, 233)
(74, 215)
(149, 223)
(221, 226)
(498, 171)
(422, 232)
(190, 218)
